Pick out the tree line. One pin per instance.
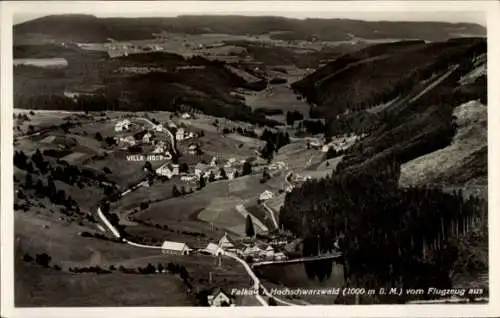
(388, 236)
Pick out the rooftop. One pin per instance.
(175, 246)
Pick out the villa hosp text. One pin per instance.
(460, 292)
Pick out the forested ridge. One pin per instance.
(389, 236)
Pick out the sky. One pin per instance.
(459, 11)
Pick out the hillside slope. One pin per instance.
(380, 73)
(468, 146)
(402, 95)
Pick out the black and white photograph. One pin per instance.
(221, 154)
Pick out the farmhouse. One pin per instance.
(316, 144)
(168, 170)
(169, 247)
(122, 125)
(252, 251)
(146, 138)
(231, 173)
(325, 148)
(188, 178)
(213, 162)
(268, 252)
(230, 162)
(219, 299)
(179, 134)
(193, 149)
(266, 195)
(279, 256)
(227, 243)
(213, 249)
(160, 147)
(201, 169)
(128, 140)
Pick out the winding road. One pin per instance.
(162, 129)
(256, 282)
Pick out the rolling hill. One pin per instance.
(87, 28)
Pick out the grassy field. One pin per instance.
(229, 275)
(40, 287)
(62, 242)
(277, 97)
(214, 203)
(221, 212)
(221, 146)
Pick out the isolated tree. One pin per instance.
(39, 188)
(249, 229)
(247, 168)
(265, 175)
(27, 257)
(148, 166)
(51, 187)
(98, 136)
(183, 167)
(202, 182)
(211, 177)
(110, 141)
(222, 173)
(20, 159)
(268, 151)
(28, 182)
(43, 259)
(175, 191)
(159, 267)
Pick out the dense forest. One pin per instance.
(389, 236)
(373, 76)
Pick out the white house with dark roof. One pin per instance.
(168, 170)
(227, 243)
(179, 134)
(177, 248)
(122, 125)
(146, 138)
(219, 299)
(266, 195)
(213, 249)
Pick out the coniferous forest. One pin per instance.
(389, 236)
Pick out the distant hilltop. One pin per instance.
(89, 28)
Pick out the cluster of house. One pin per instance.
(300, 178)
(257, 252)
(338, 144)
(262, 252)
(279, 165)
(319, 144)
(230, 169)
(181, 134)
(144, 137)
